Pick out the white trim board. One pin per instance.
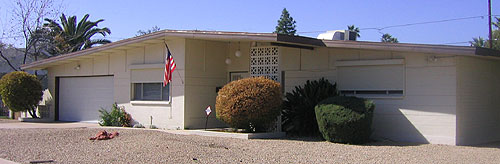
(369, 62)
(146, 66)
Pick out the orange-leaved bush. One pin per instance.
(251, 103)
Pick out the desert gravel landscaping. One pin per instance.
(152, 146)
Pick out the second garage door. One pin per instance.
(80, 98)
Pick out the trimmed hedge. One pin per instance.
(345, 119)
(21, 91)
(251, 103)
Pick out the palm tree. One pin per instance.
(497, 24)
(478, 42)
(70, 36)
(388, 38)
(354, 29)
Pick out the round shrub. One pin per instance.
(138, 126)
(345, 119)
(251, 103)
(21, 91)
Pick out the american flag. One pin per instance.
(169, 67)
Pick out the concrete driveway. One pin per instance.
(14, 124)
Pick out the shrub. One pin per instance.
(345, 119)
(117, 117)
(251, 103)
(298, 108)
(21, 91)
(138, 126)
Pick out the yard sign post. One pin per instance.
(208, 111)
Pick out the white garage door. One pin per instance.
(80, 98)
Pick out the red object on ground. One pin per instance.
(103, 135)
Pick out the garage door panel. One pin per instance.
(82, 97)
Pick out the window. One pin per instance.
(373, 93)
(238, 75)
(151, 92)
(372, 78)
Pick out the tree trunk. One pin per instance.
(36, 71)
(8, 62)
(32, 113)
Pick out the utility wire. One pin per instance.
(454, 43)
(413, 24)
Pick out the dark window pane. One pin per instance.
(372, 92)
(347, 92)
(151, 91)
(137, 91)
(398, 92)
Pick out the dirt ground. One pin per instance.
(72, 145)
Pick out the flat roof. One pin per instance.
(280, 39)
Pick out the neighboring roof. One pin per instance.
(420, 48)
(278, 39)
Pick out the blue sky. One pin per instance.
(125, 17)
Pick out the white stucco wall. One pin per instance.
(119, 64)
(478, 112)
(205, 70)
(426, 112)
(440, 102)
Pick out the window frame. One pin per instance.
(141, 101)
(375, 93)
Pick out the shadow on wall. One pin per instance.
(395, 126)
(488, 145)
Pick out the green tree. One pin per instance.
(354, 29)
(71, 36)
(21, 91)
(148, 31)
(388, 38)
(286, 24)
(481, 42)
(26, 17)
(478, 42)
(497, 24)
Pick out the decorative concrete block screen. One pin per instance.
(264, 61)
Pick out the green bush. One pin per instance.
(117, 117)
(345, 119)
(298, 108)
(251, 103)
(138, 126)
(21, 91)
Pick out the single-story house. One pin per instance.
(423, 93)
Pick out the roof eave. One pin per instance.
(41, 64)
(403, 47)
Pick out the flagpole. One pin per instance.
(180, 77)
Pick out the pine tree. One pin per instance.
(286, 24)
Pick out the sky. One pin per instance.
(126, 17)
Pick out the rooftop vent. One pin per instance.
(338, 35)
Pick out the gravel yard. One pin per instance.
(149, 146)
